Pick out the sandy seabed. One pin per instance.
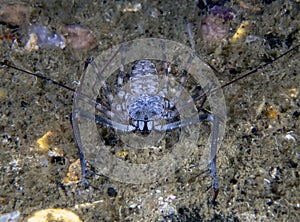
(258, 164)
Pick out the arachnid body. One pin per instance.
(147, 108)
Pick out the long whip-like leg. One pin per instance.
(213, 156)
(80, 150)
(213, 146)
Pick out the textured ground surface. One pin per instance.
(258, 165)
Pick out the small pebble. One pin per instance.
(249, 7)
(132, 7)
(241, 32)
(47, 38)
(52, 214)
(32, 44)
(112, 192)
(13, 216)
(78, 37)
(40, 36)
(251, 38)
(213, 28)
(74, 174)
(14, 13)
(43, 142)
